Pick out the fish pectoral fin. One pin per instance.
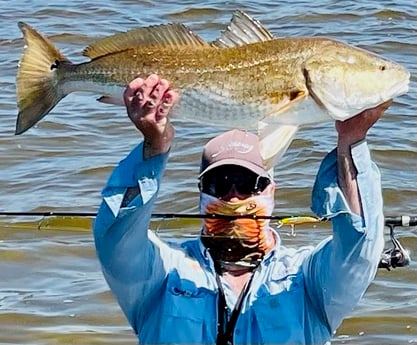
(285, 108)
(242, 30)
(111, 100)
(168, 35)
(274, 141)
(282, 102)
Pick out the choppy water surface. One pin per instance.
(51, 288)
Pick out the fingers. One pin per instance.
(151, 92)
(132, 87)
(154, 94)
(384, 106)
(357, 127)
(378, 110)
(387, 104)
(151, 96)
(169, 98)
(139, 91)
(148, 103)
(370, 116)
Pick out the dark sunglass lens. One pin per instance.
(262, 183)
(246, 184)
(205, 185)
(245, 187)
(215, 185)
(223, 186)
(243, 184)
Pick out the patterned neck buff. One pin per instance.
(239, 242)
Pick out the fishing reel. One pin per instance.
(396, 256)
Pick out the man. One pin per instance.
(237, 283)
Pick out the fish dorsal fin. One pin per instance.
(242, 29)
(168, 35)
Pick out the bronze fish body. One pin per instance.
(246, 79)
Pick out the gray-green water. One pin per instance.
(51, 288)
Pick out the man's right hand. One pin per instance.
(148, 104)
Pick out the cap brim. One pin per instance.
(233, 161)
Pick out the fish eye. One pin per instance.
(382, 67)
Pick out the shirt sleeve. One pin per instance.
(133, 259)
(341, 268)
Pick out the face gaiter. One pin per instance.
(238, 242)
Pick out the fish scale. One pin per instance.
(210, 105)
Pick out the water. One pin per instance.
(51, 288)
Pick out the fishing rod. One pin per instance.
(397, 256)
(290, 220)
(403, 221)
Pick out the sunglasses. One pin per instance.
(220, 185)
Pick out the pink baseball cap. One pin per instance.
(234, 147)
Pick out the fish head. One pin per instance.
(347, 80)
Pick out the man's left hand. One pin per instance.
(356, 128)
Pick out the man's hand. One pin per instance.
(356, 128)
(350, 132)
(148, 104)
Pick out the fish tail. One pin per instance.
(37, 82)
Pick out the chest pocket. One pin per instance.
(279, 310)
(189, 312)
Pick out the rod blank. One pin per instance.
(404, 220)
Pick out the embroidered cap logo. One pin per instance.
(238, 146)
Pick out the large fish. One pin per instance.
(245, 79)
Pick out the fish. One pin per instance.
(246, 78)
